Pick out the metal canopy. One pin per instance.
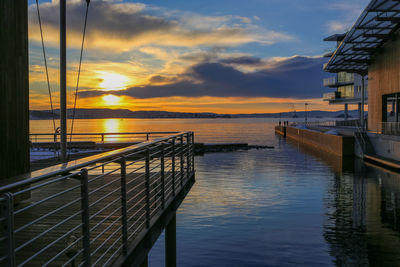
(373, 28)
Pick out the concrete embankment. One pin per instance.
(281, 130)
(335, 144)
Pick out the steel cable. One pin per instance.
(45, 65)
(79, 69)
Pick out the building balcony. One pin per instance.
(331, 82)
(334, 82)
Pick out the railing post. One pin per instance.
(162, 176)
(7, 212)
(147, 137)
(124, 217)
(85, 216)
(102, 139)
(187, 154)
(173, 166)
(182, 162)
(193, 148)
(147, 177)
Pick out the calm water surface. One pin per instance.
(283, 207)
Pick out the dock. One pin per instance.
(106, 209)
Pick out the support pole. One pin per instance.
(346, 112)
(170, 243)
(362, 102)
(14, 88)
(63, 82)
(305, 113)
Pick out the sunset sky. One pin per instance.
(219, 56)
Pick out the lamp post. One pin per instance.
(305, 116)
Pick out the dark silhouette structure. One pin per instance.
(14, 88)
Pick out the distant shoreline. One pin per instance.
(128, 114)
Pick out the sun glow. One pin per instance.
(111, 100)
(113, 81)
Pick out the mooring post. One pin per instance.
(170, 243)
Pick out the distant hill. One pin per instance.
(126, 113)
(120, 113)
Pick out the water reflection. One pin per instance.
(337, 164)
(362, 217)
(112, 126)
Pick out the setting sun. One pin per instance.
(111, 100)
(113, 81)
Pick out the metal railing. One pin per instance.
(333, 123)
(389, 128)
(98, 137)
(88, 212)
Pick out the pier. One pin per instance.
(106, 209)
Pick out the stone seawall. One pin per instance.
(334, 144)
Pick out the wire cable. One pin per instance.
(45, 65)
(79, 69)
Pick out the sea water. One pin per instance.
(287, 206)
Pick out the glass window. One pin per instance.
(345, 77)
(346, 91)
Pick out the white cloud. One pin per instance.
(337, 27)
(120, 26)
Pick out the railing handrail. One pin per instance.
(61, 169)
(124, 133)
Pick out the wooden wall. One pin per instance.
(14, 88)
(383, 78)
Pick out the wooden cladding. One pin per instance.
(383, 79)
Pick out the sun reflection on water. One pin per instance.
(112, 126)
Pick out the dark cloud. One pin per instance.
(297, 77)
(162, 79)
(245, 60)
(120, 21)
